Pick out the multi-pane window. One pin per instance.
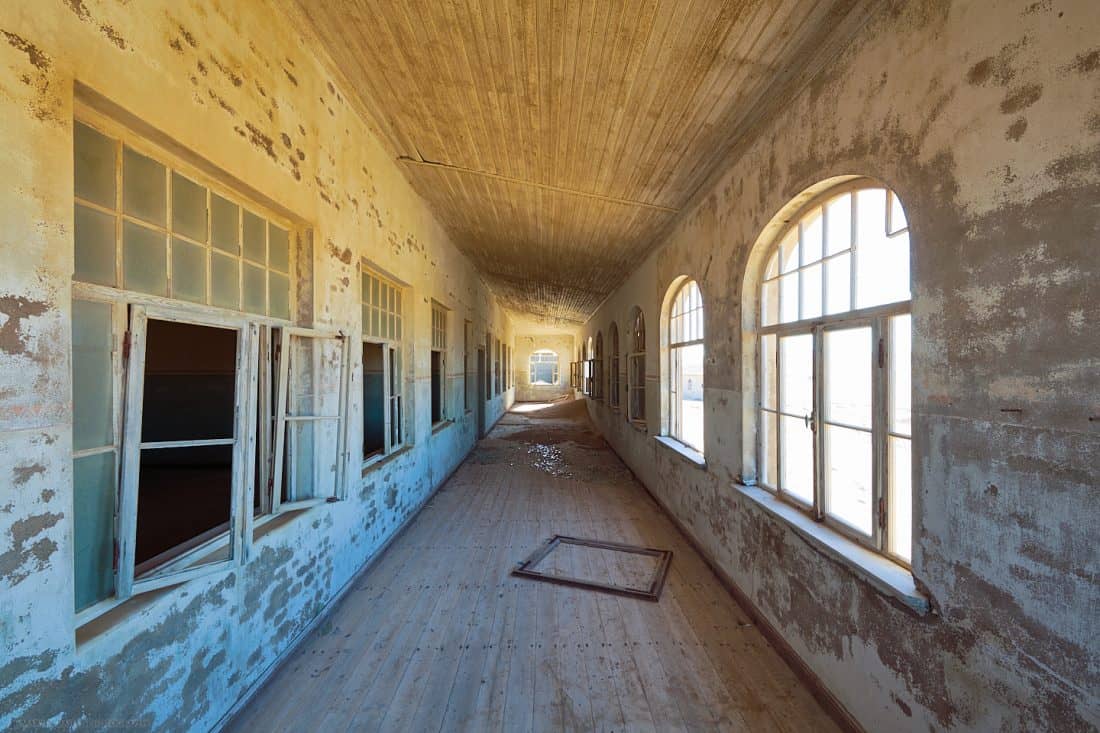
(382, 302)
(544, 367)
(635, 368)
(467, 399)
(613, 367)
(596, 368)
(685, 366)
(439, 363)
(835, 430)
(197, 408)
(586, 366)
(145, 226)
(496, 366)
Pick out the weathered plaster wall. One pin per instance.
(985, 119)
(526, 345)
(233, 83)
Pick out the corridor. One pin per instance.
(438, 636)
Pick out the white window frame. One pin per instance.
(183, 567)
(673, 426)
(878, 319)
(533, 360)
(287, 334)
(635, 362)
(128, 372)
(613, 381)
(392, 340)
(440, 324)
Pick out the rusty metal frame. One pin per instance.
(526, 569)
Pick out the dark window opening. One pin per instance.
(437, 386)
(185, 491)
(374, 400)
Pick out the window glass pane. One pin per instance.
(278, 249)
(797, 442)
(94, 247)
(188, 208)
(278, 295)
(255, 238)
(93, 391)
(796, 365)
(93, 527)
(788, 298)
(93, 166)
(838, 232)
(882, 272)
(225, 284)
(772, 270)
(144, 259)
(225, 224)
(767, 371)
(901, 364)
(769, 308)
(811, 237)
(838, 284)
(689, 393)
(882, 263)
(811, 291)
(900, 469)
(769, 464)
(188, 271)
(848, 356)
(254, 296)
(848, 477)
(788, 251)
(143, 187)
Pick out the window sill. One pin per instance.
(686, 452)
(639, 425)
(377, 460)
(442, 425)
(884, 575)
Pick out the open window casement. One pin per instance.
(187, 448)
(310, 418)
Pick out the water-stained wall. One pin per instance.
(985, 119)
(233, 83)
(560, 344)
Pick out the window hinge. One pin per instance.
(126, 345)
(114, 555)
(882, 512)
(881, 354)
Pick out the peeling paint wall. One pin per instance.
(986, 121)
(231, 82)
(562, 345)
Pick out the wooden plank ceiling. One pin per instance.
(558, 140)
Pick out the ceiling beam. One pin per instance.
(534, 184)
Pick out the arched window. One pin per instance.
(544, 367)
(682, 400)
(587, 366)
(613, 367)
(834, 430)
(635, 368)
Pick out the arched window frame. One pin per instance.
(683, 318)
(542, 356)
(597, 368)
(636, 369)
(613, 390)
(890, 346)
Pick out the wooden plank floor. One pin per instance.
(438, 636)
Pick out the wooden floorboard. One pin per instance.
(438, 635)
